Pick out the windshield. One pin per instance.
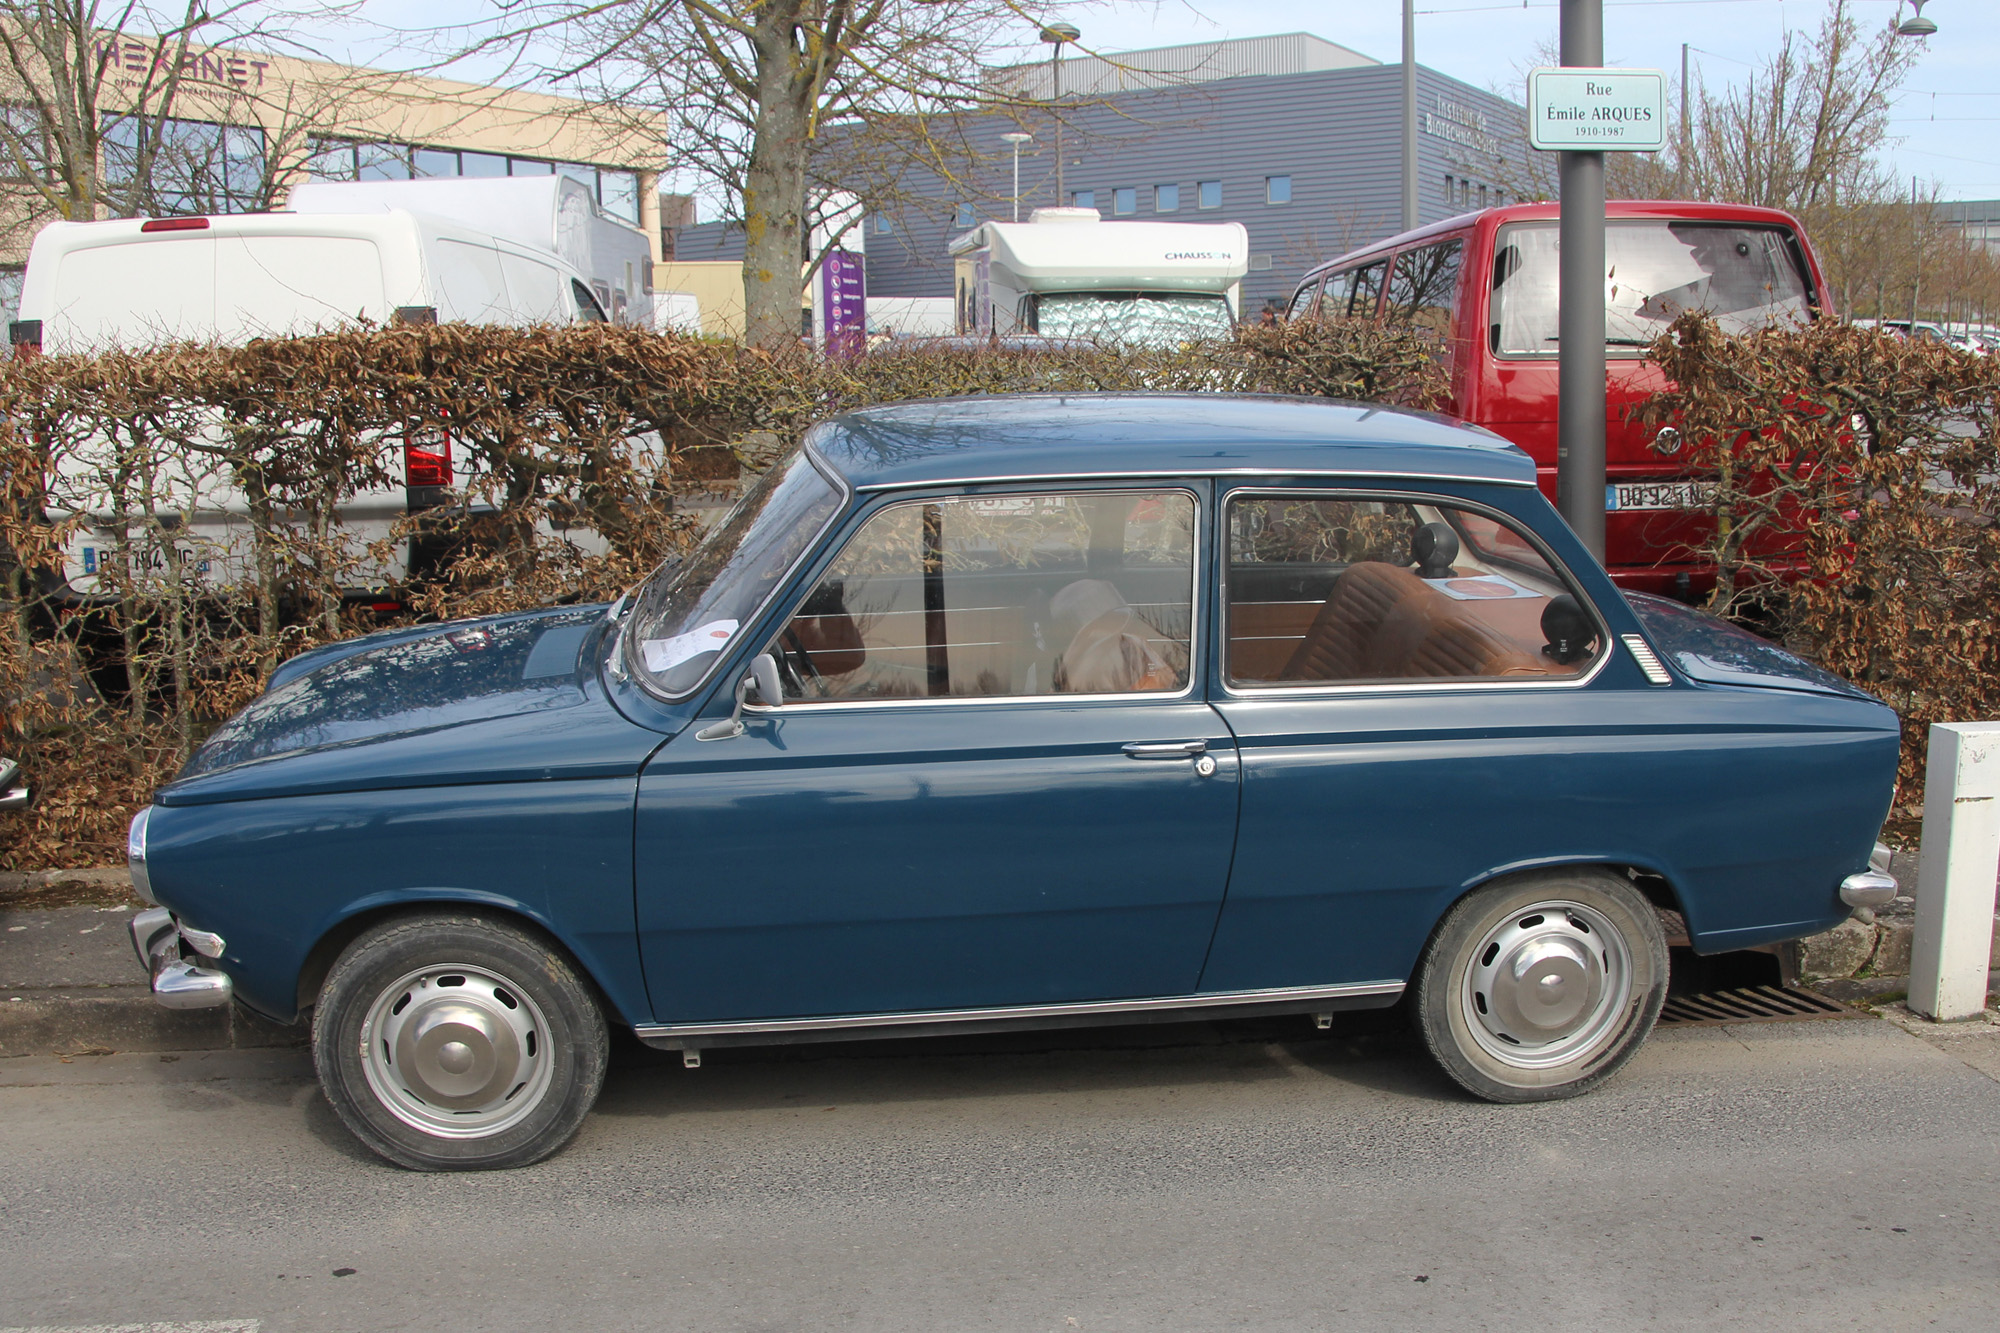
(687, 614)
(1746, 277)
(1157, 319)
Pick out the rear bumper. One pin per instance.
(179, 982)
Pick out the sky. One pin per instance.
(1946, 122)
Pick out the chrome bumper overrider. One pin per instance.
(1871, 887)
(178, 983)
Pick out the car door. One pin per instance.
(993, 780)
(1404, 675)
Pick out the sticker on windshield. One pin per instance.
(663, 655)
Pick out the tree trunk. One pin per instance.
(774, 185)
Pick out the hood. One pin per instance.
(1709, 649)
(408, 682)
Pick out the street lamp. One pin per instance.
(1916, 25)
(1058, 35)
(1016, 138)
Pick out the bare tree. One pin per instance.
(761, 97)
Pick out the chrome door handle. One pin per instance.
(1165, 749)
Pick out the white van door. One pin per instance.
(534, 290)
(133, 294)
(271, 286)
(466, 282)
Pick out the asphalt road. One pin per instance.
(1809, 1175)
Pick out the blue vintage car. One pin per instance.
(1009, 712)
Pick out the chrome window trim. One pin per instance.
(844, 497)
(1196, 472)
(1198, 1000)
(1292, 690)
(1156, 696)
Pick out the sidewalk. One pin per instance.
(70, 984)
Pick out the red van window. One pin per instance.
(1423, 289)
(1366, 290)
(1655, 268)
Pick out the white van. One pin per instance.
(556, 214)
(1066, 273)
(139, 282)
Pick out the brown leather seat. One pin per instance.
(1382, 622)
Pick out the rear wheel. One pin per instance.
(458, 1042)
(1540, 987)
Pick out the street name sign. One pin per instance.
(1597, 110)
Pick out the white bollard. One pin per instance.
(1961, 853)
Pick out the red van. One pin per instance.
(1486, 282)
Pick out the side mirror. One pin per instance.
(763, 678)
(767, 691)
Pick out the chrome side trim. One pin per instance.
(1015, 1013)
(135, 854)
(1648, 660)
(1193, 470)
(151, 931)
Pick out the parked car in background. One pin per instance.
(1485, 283)
(1010, 712)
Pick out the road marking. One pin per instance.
(171, 1326)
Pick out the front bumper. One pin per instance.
(179, 982)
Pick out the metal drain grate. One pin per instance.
(1751, 1004)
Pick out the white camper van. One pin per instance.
(139, 282)
(545, 213)
(1066, 273)
(134, 282)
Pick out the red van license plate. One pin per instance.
(1660, 495)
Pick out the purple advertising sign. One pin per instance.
(843, 295)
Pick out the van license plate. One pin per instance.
(1660, 495)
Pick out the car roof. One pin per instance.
(1030, 437)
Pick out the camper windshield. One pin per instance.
(1746, 277)
(1157, 319)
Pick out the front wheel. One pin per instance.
(458, 1042)
(1540, 987)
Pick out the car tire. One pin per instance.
(458, 1042)
(1539, 987)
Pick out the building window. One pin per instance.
(1208, 194)
(1166, 198)
(1482, 196)
(432, 162)
(1450, 194)
(482, 164)
(1125, 200)
(1277, 189)
(1083, 199)
(618, 194)
(964, 217)
(884, 225)
(529, 166)
(197, 167)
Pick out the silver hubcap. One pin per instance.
(1546, 985)
(456, 1051)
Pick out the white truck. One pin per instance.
(353, 254)
(554, 214)
(1067, 273)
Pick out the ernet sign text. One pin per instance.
(1598, 110)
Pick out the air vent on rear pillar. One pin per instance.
(1649, 661)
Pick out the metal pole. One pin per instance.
(1017, 181)
(1580, 319)
(1409, 115)
(1687, 137)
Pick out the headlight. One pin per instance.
(135, 856)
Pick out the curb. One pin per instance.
(87, 1023)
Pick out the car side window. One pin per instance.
(1001, 595)
(1350, 590)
